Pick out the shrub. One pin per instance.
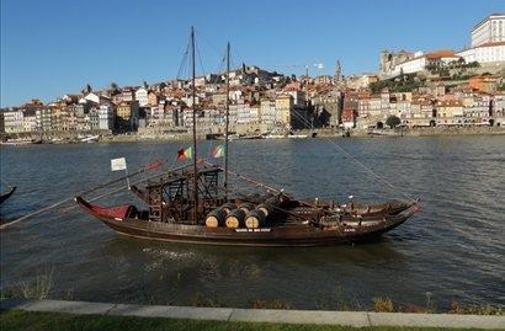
(383, 305)
(393, 121)
(39, 288)
(457, 308)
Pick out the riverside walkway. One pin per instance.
(344, 318)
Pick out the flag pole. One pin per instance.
(227, 121)
(195, 169)
(127, 178)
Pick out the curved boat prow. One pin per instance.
(6, 196)
(119, 212)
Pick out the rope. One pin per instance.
(368, 169)
(248, 179)
(200, 58)
(182, 66)
(69, 199)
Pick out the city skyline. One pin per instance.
(128, 43)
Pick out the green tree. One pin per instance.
(393, 121)
(88, 89)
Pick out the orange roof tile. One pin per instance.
(441, 53)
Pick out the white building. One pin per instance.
(422, 60)
(106, 117)
(93, 97)
(299, 98)
(141, 96)
(415, 65)
(489, 30)
(13, 121)
(30, 124)
(243, 113)
(268, 113)
(484, 54)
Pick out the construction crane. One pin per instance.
(319, 66)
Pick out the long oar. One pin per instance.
(69, 199)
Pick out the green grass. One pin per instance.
(12, 320)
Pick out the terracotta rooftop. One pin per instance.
(441, 53)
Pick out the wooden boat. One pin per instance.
(293, 228)
(193, 204)
(6, 195)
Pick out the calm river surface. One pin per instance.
(454, 249)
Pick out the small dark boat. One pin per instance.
(193, 204)
(6, 195)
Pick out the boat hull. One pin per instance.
(301, 235)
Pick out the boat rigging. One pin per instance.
(192, 205)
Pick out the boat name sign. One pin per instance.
(254, 230)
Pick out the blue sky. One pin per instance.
(53, 47)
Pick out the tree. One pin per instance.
(393, 121)
(113, 89)
(88, 89)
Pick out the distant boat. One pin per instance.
(287, 135)
(90, 139)
(6, 195)
(275, 136)
(17, 142)
(298, 136)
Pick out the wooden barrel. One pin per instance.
(246, 207)
(255, 219)
(265, 208)
(269, 205)
(228, 207)
(215, 218)
(235, 218)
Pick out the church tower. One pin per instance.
(338, 72)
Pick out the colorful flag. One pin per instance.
(185, 154)
(218, 151)
(154, 165)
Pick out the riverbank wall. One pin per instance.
(160, 136)
(307, 317)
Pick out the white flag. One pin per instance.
(118, 164)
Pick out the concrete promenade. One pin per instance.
(354, 319)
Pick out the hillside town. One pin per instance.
(412, 89)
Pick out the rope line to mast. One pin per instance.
(368, 169)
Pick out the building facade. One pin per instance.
(484, 54)
(489, 30)
(13, 121)
(142, 96)
(106, 117)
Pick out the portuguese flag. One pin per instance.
(185, 154)
(218, 151)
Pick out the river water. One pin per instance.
(453, 250)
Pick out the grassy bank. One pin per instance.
(13, 320)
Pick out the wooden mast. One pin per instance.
(195, 169)
(227, 120)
